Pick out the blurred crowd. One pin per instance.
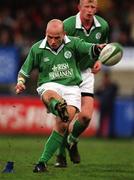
(24, 22)
(120, 16)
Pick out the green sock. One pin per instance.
(51, 106)
(78, 128)
(51, 146)
(62, 148)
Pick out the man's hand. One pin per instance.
(97, 67)
(101, 46)
(20, 87)
(98, 48)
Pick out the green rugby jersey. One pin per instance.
(98, 33)
(60, 66)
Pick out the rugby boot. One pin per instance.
(62, 110)
(61, 161)
(73, 153)
(40, 167)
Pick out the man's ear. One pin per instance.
(97, 9)
(78, 7)
(64, 35)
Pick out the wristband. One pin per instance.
(21, 79)
(96, 50)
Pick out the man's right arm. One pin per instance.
(20, 86)
(24, 73)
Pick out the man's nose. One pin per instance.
(53, 40)
(89, 9)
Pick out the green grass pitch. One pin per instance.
(101, 159)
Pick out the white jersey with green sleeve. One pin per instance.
(97, 34)
(59, 66)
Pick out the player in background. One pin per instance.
(56, 58)
(94, 29)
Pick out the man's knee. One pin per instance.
(85, 119)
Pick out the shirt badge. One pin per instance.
(98, 35)
(67, 54)
(46, 59)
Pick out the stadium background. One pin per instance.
(21, 24)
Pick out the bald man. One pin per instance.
(56, 58)
(93, 29)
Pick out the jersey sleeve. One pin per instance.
(85, 54)
(83, 48)
(28, 65)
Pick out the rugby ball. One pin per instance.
(111, 54)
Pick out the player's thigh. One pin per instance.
(51, 86)
(72, 95)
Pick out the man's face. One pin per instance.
(55, 38)
(87, 9)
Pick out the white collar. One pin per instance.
(78, 24)
(44, 41)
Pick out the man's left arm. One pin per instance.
(97, 65)
(87, 53)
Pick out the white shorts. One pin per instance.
(87, 85)
(71, 94)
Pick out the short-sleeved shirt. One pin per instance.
(59, 66)
(97, 34)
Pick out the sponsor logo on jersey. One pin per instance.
(46, 59)
(61, 71)
(67, 54)
(98, 35)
